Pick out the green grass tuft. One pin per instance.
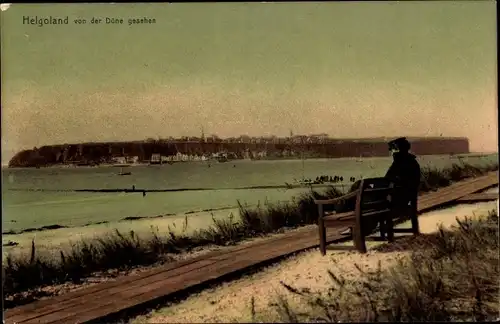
(451, 275)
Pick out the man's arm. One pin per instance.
(392, 172)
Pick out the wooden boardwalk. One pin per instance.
(478, 197)
(99, 303)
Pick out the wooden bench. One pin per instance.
(369, 205)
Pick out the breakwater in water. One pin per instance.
(139, 190)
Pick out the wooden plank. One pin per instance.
(492, 178)
(341, 248)
(98, 289)
(376, 203)
(130, 279)
(166, 271)
(333, 223)
(150, 280)
(336, 200)
(479, 197)
(107, 285)
(160, 288)
(465, 186)
(447, 195)
(129, 297)
(285, 241)
(378, 190)
(339, 216)
(95, 297)
(376, 212)
(124, 280)
(351, 218)
(216, 272)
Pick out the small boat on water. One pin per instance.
(222, 159)
(121, 173)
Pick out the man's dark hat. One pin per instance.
(401, 144)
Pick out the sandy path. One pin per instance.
(230, 302)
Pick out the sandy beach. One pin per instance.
(51, 241)
(230, 301)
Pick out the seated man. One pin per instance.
(404, 172)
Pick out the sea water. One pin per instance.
(33, 198)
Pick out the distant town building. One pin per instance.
(155, 159)
(132, 159)
(119, 160)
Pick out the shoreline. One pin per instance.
(138, 190)
(125, 219)
(297, 158)
(135, 218)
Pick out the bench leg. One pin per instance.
(383, 230)
(389, 227)
(359, 239)
(414, 219)
(358, 233)
(322, 231)
(322, 239)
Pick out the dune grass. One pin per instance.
(451, 275)
(23, 274)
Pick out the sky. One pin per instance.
(349, 69)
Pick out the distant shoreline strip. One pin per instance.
(128, 218)
(181, 189)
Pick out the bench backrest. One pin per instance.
(371, 194)
(366, 197)
(375, 194)
(374, 201)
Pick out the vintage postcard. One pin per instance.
(150, 149)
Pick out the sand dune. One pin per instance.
(230, 302)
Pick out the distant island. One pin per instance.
(170, 150)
